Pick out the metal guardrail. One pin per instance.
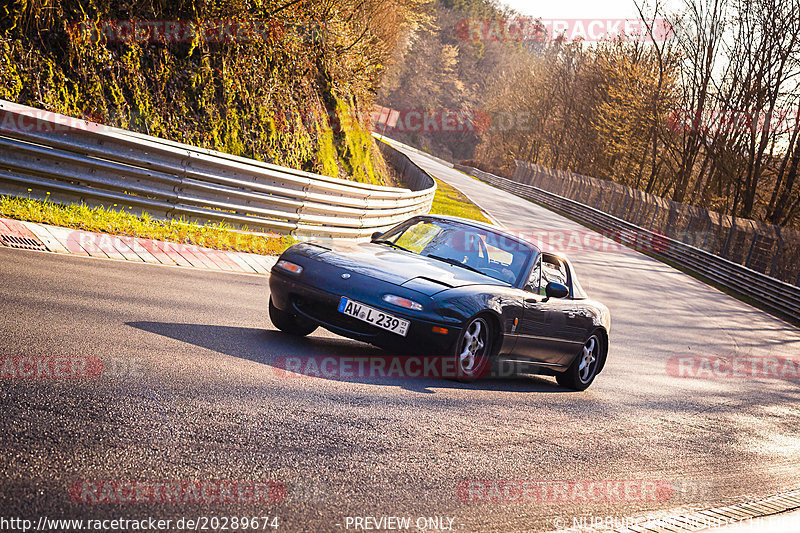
(766, 248)
(390, 141)
(79, 161)
(768, 291)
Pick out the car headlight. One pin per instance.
(289, 266)
(402, 302)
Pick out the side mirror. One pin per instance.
(556, 290)
(377, 235)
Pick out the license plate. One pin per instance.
(373, 316)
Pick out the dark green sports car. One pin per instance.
(447, 287)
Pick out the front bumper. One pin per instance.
(321, 307)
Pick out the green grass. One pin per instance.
(449, 201)
(220, 236)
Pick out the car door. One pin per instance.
(547, 333)
(579, 318)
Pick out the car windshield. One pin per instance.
(492, 254)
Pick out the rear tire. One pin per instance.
(289, 323)
(583, 369)
(472, 350)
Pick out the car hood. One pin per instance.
(416, 272)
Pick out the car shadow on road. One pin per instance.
(300, 357)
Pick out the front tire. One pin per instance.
(289, 323)
(583, 369)
(472, 350)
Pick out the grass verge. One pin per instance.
(220, 236)
(449, 201)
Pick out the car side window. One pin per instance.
(553, 269)
(534, 280)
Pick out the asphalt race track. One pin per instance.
(189, 391)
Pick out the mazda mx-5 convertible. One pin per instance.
(450, 287)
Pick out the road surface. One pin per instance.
(189, 391)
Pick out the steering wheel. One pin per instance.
(503, 274)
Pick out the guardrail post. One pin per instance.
(704, 245)
(730, 237)
(774, 265)
(750, 252)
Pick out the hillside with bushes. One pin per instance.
(289, 82)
